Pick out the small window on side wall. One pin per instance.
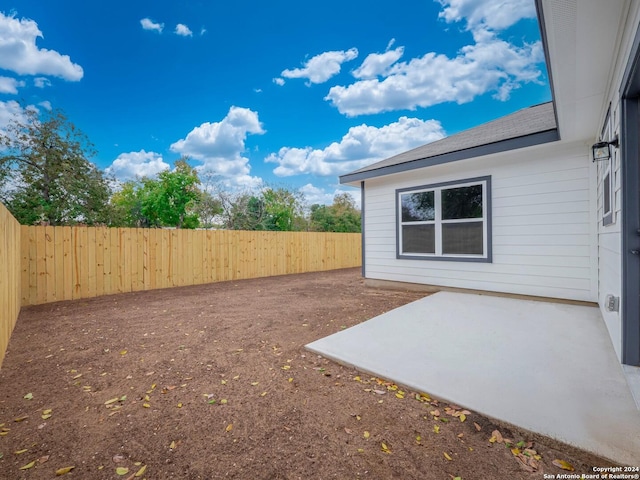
(606, 171)
(445, 221)
(607, 214)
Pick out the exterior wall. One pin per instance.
(543, 236)
(609, 237)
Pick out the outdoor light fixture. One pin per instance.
(602, 150)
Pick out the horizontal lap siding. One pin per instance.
(610, 241)
(543, 237)
(10, 284)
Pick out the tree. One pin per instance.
(283, 208)
(271, 209)
(207, 208)
(45, 172)
(241, 211)
(169, 201)
(341, 216)
(166, 201)
(126, 206)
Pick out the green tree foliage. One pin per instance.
(207, 208)
(45, 174)
(126, 206)
(241, 211)
(166, 201)
(341, 216)
(271, 209)
(283, 210)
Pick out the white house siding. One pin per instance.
(543, 236)
(609, 237)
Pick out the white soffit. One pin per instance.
(582, 40)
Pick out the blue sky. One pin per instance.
(283, 93)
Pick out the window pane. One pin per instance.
(607, 194)
(462, 202)
(417, 207)
(418, 239)
(462, 238)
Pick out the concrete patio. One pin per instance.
(546, 367)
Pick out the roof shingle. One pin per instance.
(530, 126)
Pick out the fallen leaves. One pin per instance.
(563, 465)
(447, 456)
(28, 396)
(523, 452)
(385, 448)
(141, 471)
(32, 464)
(28, 465)
(122, 471)
(63, 471)
(457, 412)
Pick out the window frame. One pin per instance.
(607, 185)
(607, 172)
(486, 257)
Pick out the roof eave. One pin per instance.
(533, 139)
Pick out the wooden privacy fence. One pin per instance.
(65, 263)
(9, 276)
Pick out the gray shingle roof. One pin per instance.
(530, 126)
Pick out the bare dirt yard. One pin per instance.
(212, 381)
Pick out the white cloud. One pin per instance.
(360, 146)
(41, 82)
(220, 145)
(46, 104)
(378, 63)
(10, 85)
(203, 31)
(148, 24)
(278, 81)
(322, 67)
(490, 65)
(315, 195)
(131, 165)
(183, 30)
(10, 111)
(492, 14)
(19, 53)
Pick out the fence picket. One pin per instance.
(64, 263)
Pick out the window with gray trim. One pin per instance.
(606, 170)
(445, 221)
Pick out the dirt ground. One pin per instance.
(212, 381)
